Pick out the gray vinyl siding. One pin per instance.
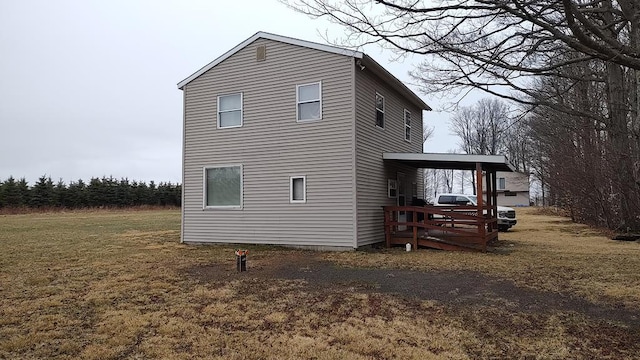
(371, 171)
(521, 199)
(515, 182)
(272, 146)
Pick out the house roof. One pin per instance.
(451, 161)
(366, 61)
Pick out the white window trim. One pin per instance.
(498, 184)
(407, 126)
(298, 102)
(241, 111)
(204, 188)
(304, 190)
(384, 105)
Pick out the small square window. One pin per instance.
(298, 189)
(309, 101)
(230, 110)
(379, 111)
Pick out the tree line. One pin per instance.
(98, 192)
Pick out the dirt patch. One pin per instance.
(457, 289)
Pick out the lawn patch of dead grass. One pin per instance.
(115, 285)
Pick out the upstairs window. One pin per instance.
(502, 183)
(379, 111)
(230, 110)
(407, 125)
(309, 101)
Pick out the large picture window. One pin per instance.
(309, 101)
(379, 111)
(407, 125)
(230, 110)
(223, 187)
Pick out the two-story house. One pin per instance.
(283, 143)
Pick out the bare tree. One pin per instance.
(498, 46)
(427, 132)
(583, 162)
(449, 179)
(432, 184)
(438, 181)
(464, 179)
(484, 43)
(518, 144)
(482, 128)
(574, 64)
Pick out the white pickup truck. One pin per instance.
(506, 215)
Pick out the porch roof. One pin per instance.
(451, 161)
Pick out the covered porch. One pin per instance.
(468, 228)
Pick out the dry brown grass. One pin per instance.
(116, 285)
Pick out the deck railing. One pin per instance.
(445, 227)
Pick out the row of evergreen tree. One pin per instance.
(99, 192)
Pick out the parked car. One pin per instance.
(506, 215)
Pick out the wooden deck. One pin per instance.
(442, 227)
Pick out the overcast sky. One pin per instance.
(88, 88)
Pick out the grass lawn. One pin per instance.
(119, 285)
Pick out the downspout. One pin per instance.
(354, 174)
(184, 131)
